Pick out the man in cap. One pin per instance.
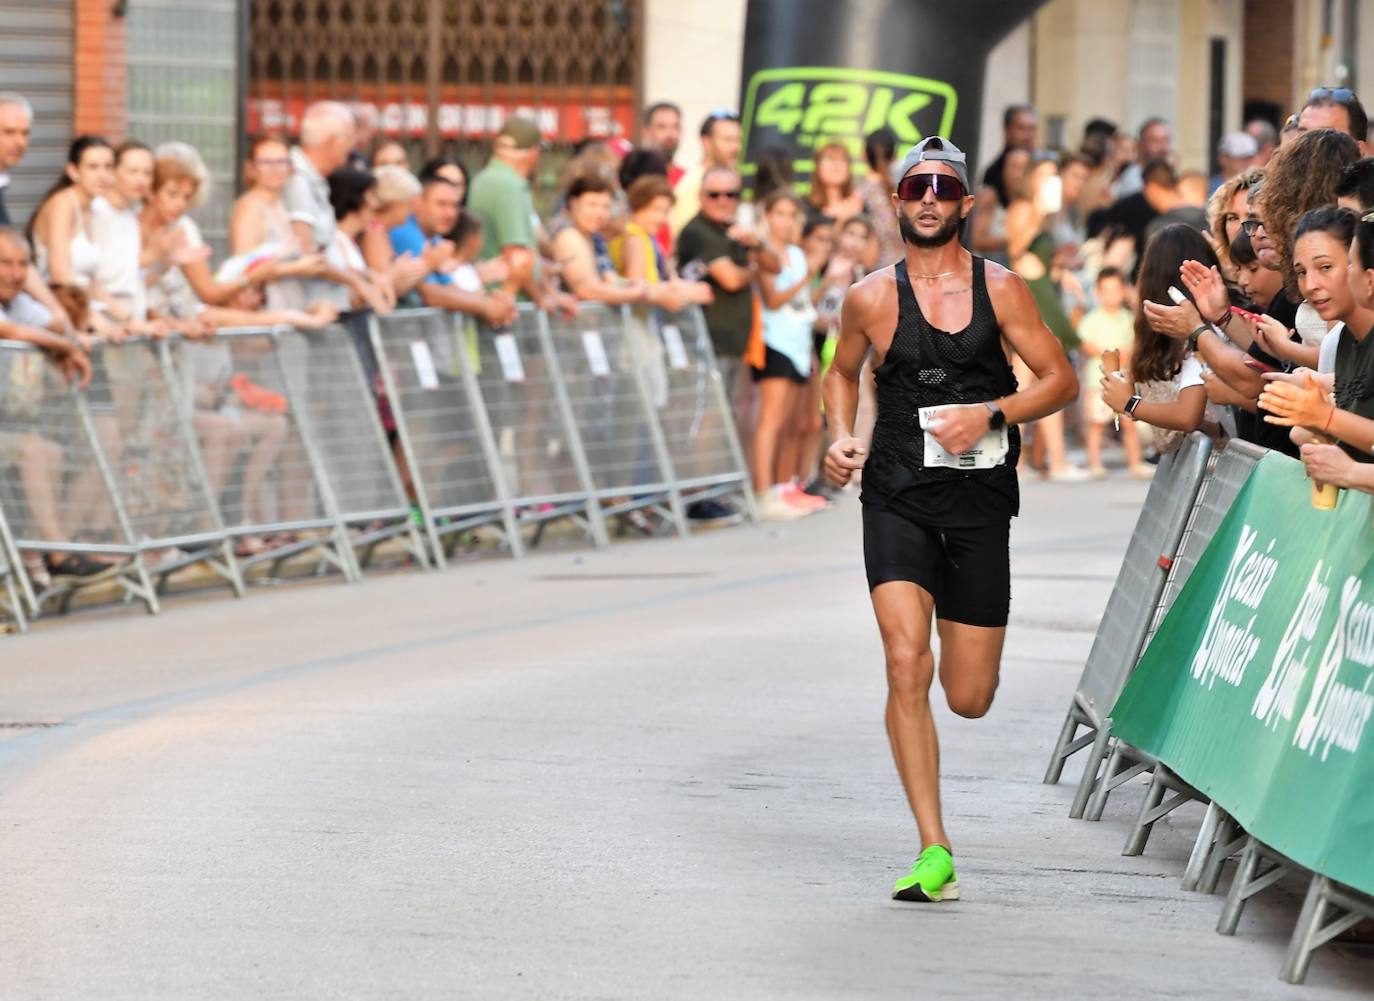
(1235, 155)
(939, 480)
(501, 195)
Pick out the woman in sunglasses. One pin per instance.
(939, 482)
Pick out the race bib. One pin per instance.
(989, 451)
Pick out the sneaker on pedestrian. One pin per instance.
(1142, 472)
(712, 512)
(1097, 472)
(1071, 474)
(773, 506)
(931, 878)
(794, 495)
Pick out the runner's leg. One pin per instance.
(970, 664)
(975, 592)
(903, 610)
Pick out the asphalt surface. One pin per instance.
(653, 772)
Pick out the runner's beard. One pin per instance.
(939, 238)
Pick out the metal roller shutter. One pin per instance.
(36, 61)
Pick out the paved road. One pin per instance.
(657, 772)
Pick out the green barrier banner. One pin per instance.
(1259, 685)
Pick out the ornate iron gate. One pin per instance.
(447, 71)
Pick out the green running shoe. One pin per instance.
(931, 878)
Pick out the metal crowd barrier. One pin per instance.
(537, 443)
(336, 408)
(1121, 635)
(430, 370)
(111, 471)
(1218, 491)
(266, 473)
(260, 448)
(1330, 908)
(16, 599)
(606, 361)
(698, 425)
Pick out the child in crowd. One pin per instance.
(1164, 386)
(1108, 327)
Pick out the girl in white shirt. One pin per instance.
(1164, 388)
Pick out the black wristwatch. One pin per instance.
(1131, 404)
(1192, 338)
(996, 419)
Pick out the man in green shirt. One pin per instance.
(501, 195)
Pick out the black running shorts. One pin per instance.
(777, 365)
(966, 570)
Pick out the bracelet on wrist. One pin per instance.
(1329, 414)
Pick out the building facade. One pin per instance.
(441, 75)
(151, 69)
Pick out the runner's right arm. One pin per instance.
(841, 386)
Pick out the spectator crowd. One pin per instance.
(1238, 303)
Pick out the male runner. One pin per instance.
(939, 489)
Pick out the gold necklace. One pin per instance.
(942, 274)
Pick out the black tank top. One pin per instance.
(927, 367)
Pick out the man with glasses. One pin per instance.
(720, 146)
(939, 480)
(714, 249)
(1336, 108)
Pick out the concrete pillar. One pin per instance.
(692, 56)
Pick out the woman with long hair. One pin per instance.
(67, 255)
(1164, 387)
(1302, 176)
(833, 192)
(61, 229)
(1337, 430)
(1329, 259)
(988, 227)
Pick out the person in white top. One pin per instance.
(328, 135)
(119, 240)
(788, 315)
(63, 249)
(260, 226)
(1164, 387)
